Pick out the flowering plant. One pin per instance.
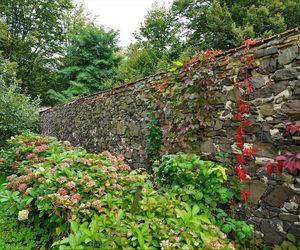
(84, 200)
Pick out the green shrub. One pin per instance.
(193, 179)
(201, 183)
(17, 112)
(84, 200)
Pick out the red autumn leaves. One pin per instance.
(291, 128)
(241, 174)
(240, 116)
(288, 160)
(243, 108)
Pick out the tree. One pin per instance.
(140, 61)
(222, 24)
(90, 62)
(159, 30)
(17, 111)
(158, 45)
(36, 40)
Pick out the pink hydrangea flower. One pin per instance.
(85, 211)
(22, 187)
(9, 178)
(41, 179)
(75, 198)
(73, 178)
(70, 185)
(62, 192)
(61, 179)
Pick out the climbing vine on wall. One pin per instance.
(242, 150)
(153, 140)
(187, 94)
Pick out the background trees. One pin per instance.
(17, 111)
(157, 45)
(188, 26)
(35, 41)
(89, 64)
(56, 46)
(61, 54)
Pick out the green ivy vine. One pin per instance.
(153, 140)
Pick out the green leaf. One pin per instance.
(198, 195)
(178, 63)
(74, 226)
(72, 241)
(291, 238)
(246, 229)
(195, 210)
(226, 228)
(140, 239)
(204, 218)
(180, 213)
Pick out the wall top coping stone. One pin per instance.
(125, 87)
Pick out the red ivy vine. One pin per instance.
(240, 115)
(288, 160)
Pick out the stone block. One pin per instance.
(278, 196)
(257, 189)
(134, 129)
(266, 52)
(291, 107)
(287, 55)
(258, 81)
(273, 231)
(289, 217)
(267, 109)
(267, 66)
(297, 88)
(121, 128)
(286, 74)
(208, 147)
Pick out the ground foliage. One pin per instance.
(84, 200)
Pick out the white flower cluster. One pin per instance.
(40, 170)
(23, 215)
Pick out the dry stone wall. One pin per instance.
(116, 121)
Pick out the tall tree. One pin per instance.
(17, 111)
(90, 62)
(225, 23)
(159, 43)
(37, 35)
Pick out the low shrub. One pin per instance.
(193, 179)
(84, 200)
(201, 182)
(18, 112)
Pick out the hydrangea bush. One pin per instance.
(84, 200)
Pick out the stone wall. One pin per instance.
(116, 121)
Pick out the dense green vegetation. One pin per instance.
(54, 195)
(43, 37)
(90, 63)
(17, 112)
(76, 200)
(190, 26)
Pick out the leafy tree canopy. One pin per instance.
(36, 35)
(90, 62)
(225, 23)
(17, 111)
